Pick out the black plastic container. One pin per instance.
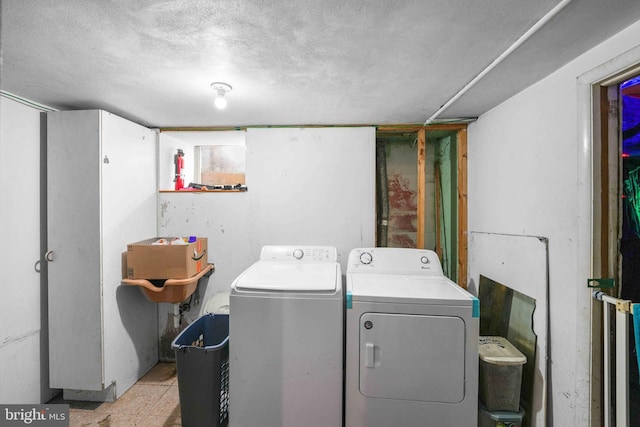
(202, 362)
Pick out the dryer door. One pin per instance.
(412, 357)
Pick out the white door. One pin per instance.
(23, 362)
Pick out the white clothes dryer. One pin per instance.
(411, 342)
(286, 340)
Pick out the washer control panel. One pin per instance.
(299, 253)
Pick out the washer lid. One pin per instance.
(407, 289)
(286, 276)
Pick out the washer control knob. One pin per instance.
(424, 260)
(298, 253)
(366, 258)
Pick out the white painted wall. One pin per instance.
(24, 372)
(525, 179)
(312, 186)
(305, 186)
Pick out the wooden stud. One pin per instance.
(421, 187)
(462, 208)
(379, 128)
(416, 128)
(604, 186)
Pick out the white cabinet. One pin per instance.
(101, 195)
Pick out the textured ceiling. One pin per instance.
(289, 62)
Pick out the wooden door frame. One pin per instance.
(595, 178)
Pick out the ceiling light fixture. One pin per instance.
(221, 89)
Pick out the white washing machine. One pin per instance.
(286, 347)
(411, 342)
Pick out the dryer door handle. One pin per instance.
(369, 358)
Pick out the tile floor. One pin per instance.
(151, 402)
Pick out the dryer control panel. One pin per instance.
(299, 253)
(395, 260)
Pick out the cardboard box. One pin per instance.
(153, 262)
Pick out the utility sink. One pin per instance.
(173, 290)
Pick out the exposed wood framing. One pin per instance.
(462, 207)
(604, 185)
(461, 129)
(416, 128)
(421, 187)
(380, 128)
(438, 216)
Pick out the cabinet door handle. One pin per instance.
(49, 256)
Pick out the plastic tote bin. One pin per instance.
(488, 418)
(500, 374)
(202, 362)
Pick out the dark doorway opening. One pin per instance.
(629, 95)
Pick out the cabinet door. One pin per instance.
(128, 189)
(73, 230)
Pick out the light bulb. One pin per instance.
(220, 102)
(221, 89)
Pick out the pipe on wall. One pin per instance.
(383, 193)
(526, 36)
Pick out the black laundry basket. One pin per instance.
(202, 361)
